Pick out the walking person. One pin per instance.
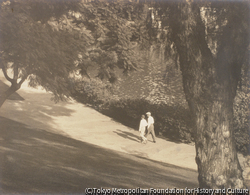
(150, 126)
(142, 128)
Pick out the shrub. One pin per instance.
(92, 91)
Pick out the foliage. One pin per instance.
(42, 51)
(165, 84)
(41, 10)
(92, 91)
(116, 41)
(158, 81)
(47, 42)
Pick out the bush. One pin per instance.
(92, 91)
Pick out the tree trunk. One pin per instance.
(216, 155)
(15, 85)
(13, 88)
(210, 85)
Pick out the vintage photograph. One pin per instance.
(115, 97)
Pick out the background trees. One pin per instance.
(32, 48)
(47, 42)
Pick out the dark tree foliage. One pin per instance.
(117, 27)
(31, 48)
(43, 10)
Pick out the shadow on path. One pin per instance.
(127, 135)
(37, 161)
(38, 110)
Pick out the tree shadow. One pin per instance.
(38, 161)
(127, 135)
(38, 110)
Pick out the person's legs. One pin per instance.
(148, 132)
(153, 133)
(142, 136)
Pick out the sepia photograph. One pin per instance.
(125, 97)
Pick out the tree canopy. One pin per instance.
(33, 49)
(45, 41)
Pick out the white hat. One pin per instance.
(148, 113)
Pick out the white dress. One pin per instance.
(142, 128)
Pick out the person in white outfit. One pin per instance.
(142, 128)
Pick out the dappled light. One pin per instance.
(40, 115)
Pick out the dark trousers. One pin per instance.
(151, 131)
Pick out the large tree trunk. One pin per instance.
(216, 155)
(210, 85)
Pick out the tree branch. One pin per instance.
(15, 72)
(6, 75)
(22, 80)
